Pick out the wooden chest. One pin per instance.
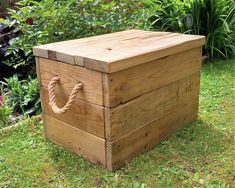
(132, 89)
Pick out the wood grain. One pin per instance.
(133, 54)
(119, 51)
(82, 143)
(67, 49)
(146, 137)
(140, 111)
(83, 115)
(39, 81)
(38, 70)
(106, 88)
(125, 85)
(69, 76)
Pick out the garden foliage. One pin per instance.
(169, 15)
(213, 18)
(47, 21)
(23, 95)
(5, 112)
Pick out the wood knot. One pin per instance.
(52, 55)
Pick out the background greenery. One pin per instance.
(22, 95)
(47, 21)
(214, 19)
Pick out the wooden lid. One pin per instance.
(117, 51)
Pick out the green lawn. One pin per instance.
(200, 155)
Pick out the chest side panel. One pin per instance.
(80, 142)
(69, 76)
(83, 114)
(182, 111)
(125, 85)
(144, 109)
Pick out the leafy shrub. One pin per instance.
(23, 95)
(49, 21)
(5, 112)
(7, 33)
(216, 20)
(213, 18)
(170, 15)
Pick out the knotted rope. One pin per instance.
(52, 98)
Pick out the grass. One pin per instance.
(200, 155)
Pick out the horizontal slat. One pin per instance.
(140, 111)
(127, 147)
(70, 75)
(82, 143)
(125, 85)
(69, 48)
(83, 115)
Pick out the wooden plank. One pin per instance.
(41, 52)
(79, 48)
(38, 70)
(39, 80)
(82, 143)
(174, 45)
(140, 111)
(137, 51)
(107, 123)
(140, 140)
(83, 115)
(125, 85)
(106, 85)
(69, 76)
(120, 47)
(118, 51)
(68, 51)
(66, 48)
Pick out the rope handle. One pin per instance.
(52, 98)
